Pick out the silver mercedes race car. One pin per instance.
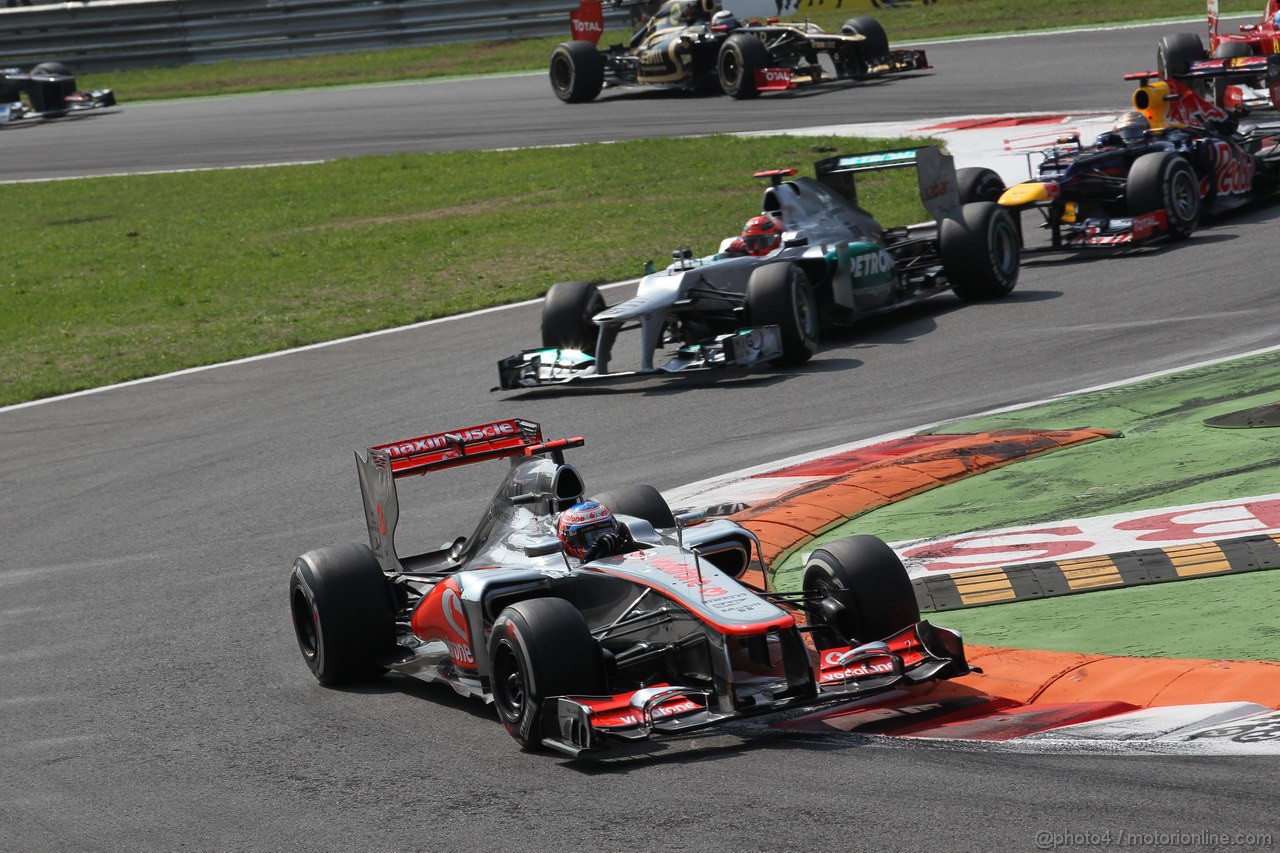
(590, 623)
(830, 264)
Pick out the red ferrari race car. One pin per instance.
(591, 622)
(1183, 55)
(46, 91)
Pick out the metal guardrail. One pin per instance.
(105, 35)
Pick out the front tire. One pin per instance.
(779, 294)
(976, 183)
(741, 56)
(1162, 180)
(876, 45)
(540, 648)
(981, 251)
(1177, 51)
(567, 310)
(859, 592)
(343, 618)
(577, 72)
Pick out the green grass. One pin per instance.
(110, 279)
(946, 19)
(1200, 618)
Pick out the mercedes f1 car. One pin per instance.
(658, 634)
(46, 91)
(834, 265)
(689, 44)
(1174, 157)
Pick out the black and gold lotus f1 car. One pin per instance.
(695, 45)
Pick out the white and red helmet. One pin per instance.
(581, 526)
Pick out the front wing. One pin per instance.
(533, 368)
(920, 653)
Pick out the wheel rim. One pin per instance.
(1005, 248)
(731, 68)
(1185, 201)
(805, 314)
(304, 625)
(509, 689)
(561, 74)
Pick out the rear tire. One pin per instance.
(876, 45)
(54, 68)
(540, 648)
(866, 592)
(343, 617)
(641, 501)
(577, 72)
(981, 251)
(1162, 180)
(741, 56)
(976, 183)
(1177, 51)
(779, 294)
(567, 310)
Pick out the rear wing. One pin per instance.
(1265, 66)
(935, 173)
(383, 464)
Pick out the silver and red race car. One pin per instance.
(46, 91)
(695, 45)
(652, 630)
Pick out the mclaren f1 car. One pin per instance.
(833, 265)
(692, 44)
(46, 91)
(657, 633)
(1171, 159)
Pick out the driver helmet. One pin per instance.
(698, 10)
(582, 524)
(724, 20)
(1132, 126)
(762, 234)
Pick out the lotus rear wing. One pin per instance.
(935, 173)
(383, 464)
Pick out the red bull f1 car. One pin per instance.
(657, 634)
(46, 91)
(1174, 157)
(833, 266)
(692, 44)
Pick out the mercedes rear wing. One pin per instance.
(935, 173)
(383, 464)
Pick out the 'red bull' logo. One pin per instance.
(1232, 169)
(587, 21)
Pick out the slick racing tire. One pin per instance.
(741, 56)
(1232, 50)
(876, 45)
(51, 68)
(858, 591)
(976, 183)
(981, 251)
(640, 501)
(567, 310)
(1177, 51)
(342, 611)
(1163, 180)
(540, 648)
(577, 72)
(779, 295)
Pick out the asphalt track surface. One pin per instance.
(151, 695)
